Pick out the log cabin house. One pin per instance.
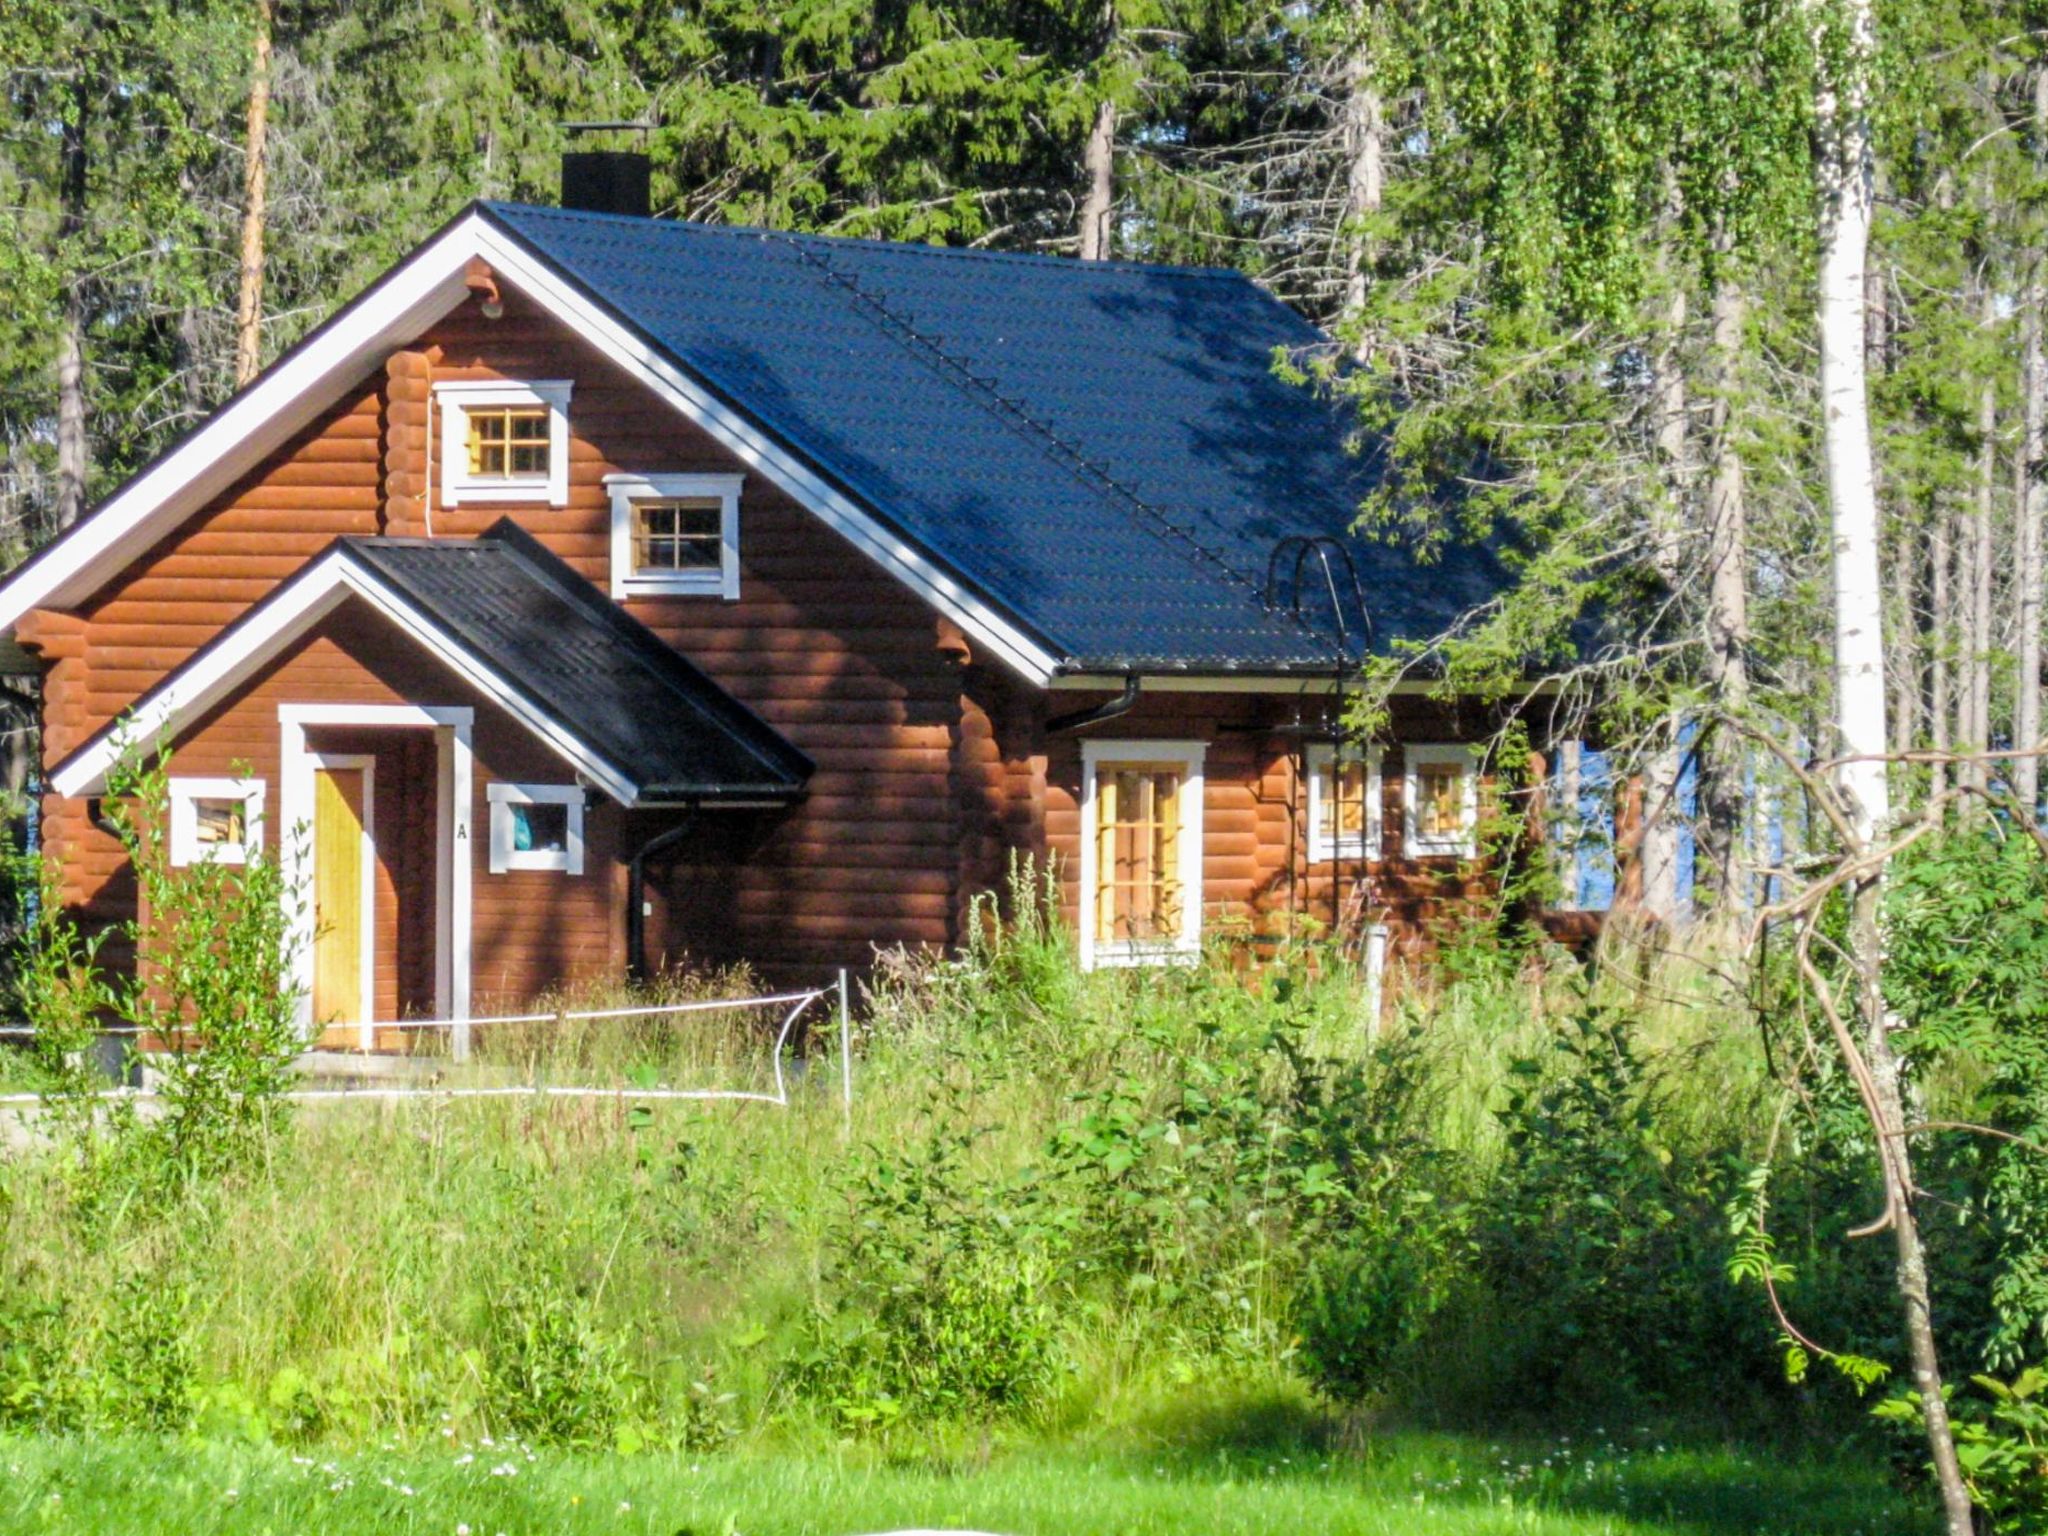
(597, 590)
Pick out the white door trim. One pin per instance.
(453, 727)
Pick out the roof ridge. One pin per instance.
(1064, 452)
(896, 247)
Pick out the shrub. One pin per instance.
(935, 1301)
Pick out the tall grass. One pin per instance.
(1085, 1195)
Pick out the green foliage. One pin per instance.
(552, 1373)
(935, 1302)
(1968, 970)
(216, 992)
(2001, 1433)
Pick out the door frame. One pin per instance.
(366, 960)
(454, 853)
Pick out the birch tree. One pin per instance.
(1846, 38)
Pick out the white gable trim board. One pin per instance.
(395, 311)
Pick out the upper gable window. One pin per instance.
(675, 534)
(504, 441)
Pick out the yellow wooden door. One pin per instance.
(338, 896)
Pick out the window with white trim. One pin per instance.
(1440, 800)
(215, 820)
(1141, 850)
(504, 441)
(1343, 802)
(536, 826)
(675, 535)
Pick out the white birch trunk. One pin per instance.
(1846, 194)
(2027, 501)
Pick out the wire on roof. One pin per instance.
(1063, 450)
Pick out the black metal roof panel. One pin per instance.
(1102, 450)
(582, 661)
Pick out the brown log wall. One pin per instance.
(932, 762)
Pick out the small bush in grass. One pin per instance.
(936, 1304)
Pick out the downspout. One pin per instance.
(1095, 714)
(636, 891)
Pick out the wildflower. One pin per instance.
(462, 1529)
(625, 1506)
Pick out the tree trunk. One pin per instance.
(2026, 771)
(1671, 409)
(1721, 760)
(1846, 170)
(1098, 155)
(73, 452)
(1098, 165)
(1365, 132)
(249, 299)
(1981, 553)
(1941, 627)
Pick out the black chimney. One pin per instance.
(607, 181)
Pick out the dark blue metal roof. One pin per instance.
(1100, 450)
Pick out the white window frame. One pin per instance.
(455, 399)
(185, 795)
(628, 489)
(504, 856)
(1465, 844)
(1324, 847)
(1188, 943)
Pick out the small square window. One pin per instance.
(216, 821)
(508, 444)
(540, 828)
(1440, 801)
(678, 536)
(536, 826)
(675, 535)
(503, 441)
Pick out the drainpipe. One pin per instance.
(1094, 714)
(636, 891)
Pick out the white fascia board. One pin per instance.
(261, 419)
(295, 609)
(526, 270)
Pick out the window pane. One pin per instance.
(508, 442)
(1138, 852)
(678, 535)
(540, 828)
(218, 823)
(1440, 800)
(1344, 807)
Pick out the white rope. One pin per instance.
(780, 1098)
(709, 1005)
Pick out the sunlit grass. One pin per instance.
(1394, 1486)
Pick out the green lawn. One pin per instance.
(1408, 1485)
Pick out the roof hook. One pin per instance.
(1332, 555)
